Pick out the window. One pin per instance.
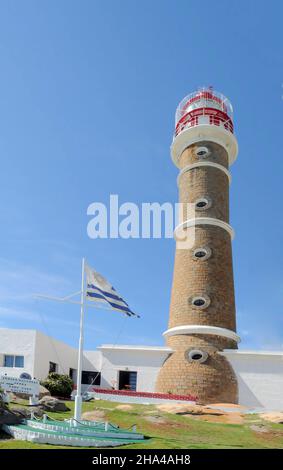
(202, 152)
(13, 361)
(19, 361)
(127, 380)
(201, 253)
(53, 367)
(202, 203)
(91, 377)
(9, 361)
(196, 355)
(200, 301)
(73, 374)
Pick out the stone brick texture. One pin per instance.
(213, 380)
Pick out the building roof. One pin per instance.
(130, 347)
(245, 352)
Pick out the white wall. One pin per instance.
(260, 374)
(146, 361)
(38, 350)
(260, 378)
(18, 343)
(92, 361)
(48, 349)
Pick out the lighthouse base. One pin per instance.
(196, 368)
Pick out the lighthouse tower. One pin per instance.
(202, 311)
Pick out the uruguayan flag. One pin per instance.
(99, 289)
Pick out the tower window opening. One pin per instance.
(196, 355)
(200, 301)
(202, 152)
(202, 253)
(202, 204)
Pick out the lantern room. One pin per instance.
(204, 115)
(204, 106)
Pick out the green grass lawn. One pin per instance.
(175, 432)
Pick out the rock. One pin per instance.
(203, 413)
(96, 415)
(48, 403)
(183, 409)
(8, 417)
(43, 392)
(124, 407)
(27, 412)
(16, 415)
(226, 406)
(12, 397)
(21, 396)
(273, 416)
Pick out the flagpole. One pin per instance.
(78, 397)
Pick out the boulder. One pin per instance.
(96, 415)
(205, 413)
(5, 416)
(12, 397)
(48, 403)
(43, 392)
(8, 417)
(16, 415)
(124, 407)
(20, 396)
(26, 413)
(273, 416)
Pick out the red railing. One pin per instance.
(216, 117)
(131, 393)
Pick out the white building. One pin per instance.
(260, 373)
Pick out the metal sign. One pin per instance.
(19, 385)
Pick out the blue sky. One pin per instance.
(87, 101)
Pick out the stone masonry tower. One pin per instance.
(202, 312)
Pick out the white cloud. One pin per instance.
(244, 333)
(19, 282)
(12, 313)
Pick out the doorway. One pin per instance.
(127, 380)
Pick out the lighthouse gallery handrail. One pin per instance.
(216, 117)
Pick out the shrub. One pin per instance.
(2, 401)
(58, 385)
